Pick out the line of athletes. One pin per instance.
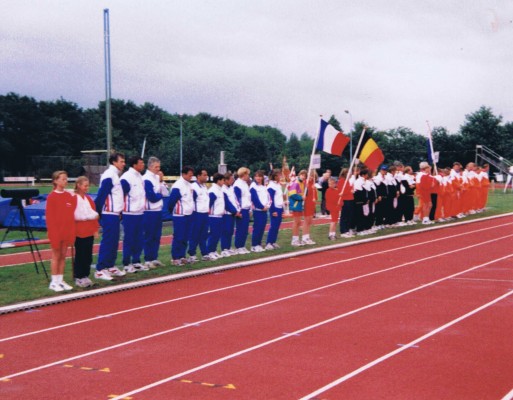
(373, 201)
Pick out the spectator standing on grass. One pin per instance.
(346, 199)
(60, 222)
(155, 190)
(109, 204)
(133, 210)
(295, 191)
(275, 210)
(181, 204)
(241, 189)
(310, 204)
(333, 206)
(260, 202)
(232, 211)
(199, 231)
(215, 215)
(86, 227)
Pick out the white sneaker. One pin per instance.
(84, 282)
(55, 287)
(276, 246)
(177, 263)
(206, 257)
(257, 249)
(242, 250)
(307, 241)
(150, 265)
(296, 243)
(65, 286)
(192, 259)
(232, 252)
(129, 269)
(157, 263)
(225, 253)
(115, 271)
(103, 274)
(141, 267)
(269, 246)
(213, 255)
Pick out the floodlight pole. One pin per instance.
(350, 135)
(181, 142)
(108, 111)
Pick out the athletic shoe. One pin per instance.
(177, 263)
(346, 235)
(65, 286)
(269, 246)
(225, 253)
(276, 246)
(130, 269)
(55, 287)
(141, 267)
(307, 241)
(206, 257)
(157, 263)
(257, 249)
(214, 255)
(242, 250)
(103, 274)
(192, 259)
(80, 282)
(296, 243)
(115, 271)
(87, 281)
(332, 237)
(232, 251)
(150, 265)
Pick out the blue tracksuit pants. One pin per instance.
(152, 226)
(133, 238)
(216, 226)
(182, 226)
(227, 231)
(241, 229)
(272, 235)
(199, 234)
(109, 244)
(259, 222)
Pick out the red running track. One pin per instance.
(425, 316)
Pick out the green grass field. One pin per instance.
(22, 283)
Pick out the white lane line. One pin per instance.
(509, 396)
(404, 347)
(239, 311)
(98, 317)
(302, 330)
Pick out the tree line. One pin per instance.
(38, 137)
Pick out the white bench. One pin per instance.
(20, 179)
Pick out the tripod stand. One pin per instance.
(18, 196)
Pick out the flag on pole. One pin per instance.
(432, 156)
(331, 140)
(370, 153)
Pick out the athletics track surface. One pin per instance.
(428, 315)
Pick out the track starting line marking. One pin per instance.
(87, 368)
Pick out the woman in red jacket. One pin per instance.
(60, 222)
(86, 227)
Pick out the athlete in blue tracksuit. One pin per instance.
(134, 199)
(241, 189)
(275, 210)
(261, 202)
(109, 204)
(155, 189)
(199, 231)
(181, 204)
(215, 215)
(232, 211)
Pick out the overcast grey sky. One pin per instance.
(270, 62)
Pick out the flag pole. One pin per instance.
(311, 156)
(351, 164)
(431, 147)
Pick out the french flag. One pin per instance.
(330, 140)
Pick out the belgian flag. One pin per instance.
(370, 153)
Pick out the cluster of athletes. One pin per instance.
(216, 220)
(386, 198)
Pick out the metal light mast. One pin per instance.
(108, 112)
